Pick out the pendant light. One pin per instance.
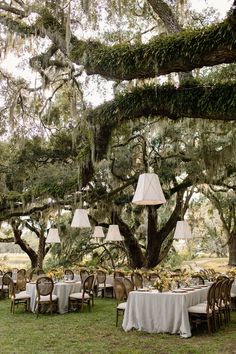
(80, 219)
(98, 232)
(114, 234)
(148, 190)
(182, 230)
(53, 236)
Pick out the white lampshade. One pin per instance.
(80, 219)
(148, 190)
(53, 236)
(98, 232)
(182, 230)
(114, 234)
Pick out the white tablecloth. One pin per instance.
(61, 289)
(156, 312)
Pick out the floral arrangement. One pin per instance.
(163, 284)
(56, 273)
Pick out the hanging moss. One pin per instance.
(174, 53)
(216, 102)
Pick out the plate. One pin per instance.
(69, 281)
(179, 291)
(143, 289)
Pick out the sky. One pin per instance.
(221, 5)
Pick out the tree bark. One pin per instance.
(23, 244)
(136, 257)
(232, 250)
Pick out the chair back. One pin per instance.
(118, 274)
(7, 277)
(211, 298)
(101, 277)
(69, 273)
(198, 279)
(119, 289)
(44, 286)
(21, 282)
(88, 284)
(129, 286)
(21, 271)
(218, 292)
(137, 280)
(11, 286)
(84, 273)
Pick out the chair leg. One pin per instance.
(116, 318)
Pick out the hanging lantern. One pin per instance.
(98, 232)
(53, 236)
(80, 219)
(182, 230)
(148, 190)
(114, 234)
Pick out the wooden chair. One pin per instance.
(21, 271)
(21, 282)
(69, 273)
(198, 279)
(205, 312)
(129, 286)
(5, 284)
(101, 284)
(137, 280)
(18, 297)
(118, 274)
(79, 299)
(44, 287)
(120, 293)
(84, 273)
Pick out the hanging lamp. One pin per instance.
(182, 230)
(53, 236)
(98, 232)
(114, 234)
(80, 219)
(148, 190)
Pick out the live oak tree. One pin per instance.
(130, 62)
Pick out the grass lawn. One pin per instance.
(95, 332)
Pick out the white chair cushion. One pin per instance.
(199, 308)
(22, 295)
(233, 294)
(121, 306)
(47, 298)
(5, 287)
(79, 296)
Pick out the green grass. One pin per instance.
(95, 332)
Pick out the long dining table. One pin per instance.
(167, 312)
(62, 289)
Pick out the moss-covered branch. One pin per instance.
(216, 102)
(179, 52)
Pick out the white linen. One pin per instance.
(156, 312)
(61, 289)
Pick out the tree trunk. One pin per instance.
(232, 250)
(41, 249)
(153, 241)
(23, 244)
(136, 257)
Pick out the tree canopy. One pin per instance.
(59, 140)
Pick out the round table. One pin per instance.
(62, 289)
